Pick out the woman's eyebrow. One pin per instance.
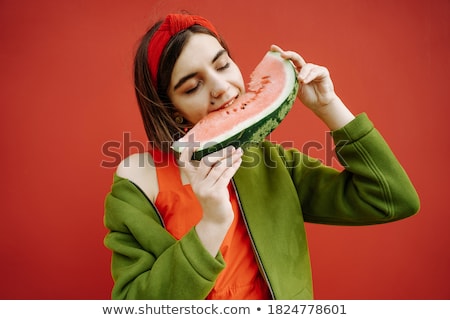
(184, 79)
(193, 74)
(218, 55)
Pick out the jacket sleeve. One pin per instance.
(147, 262)
(373, 187)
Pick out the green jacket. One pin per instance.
(278, 191)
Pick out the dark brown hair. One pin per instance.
(155, 107)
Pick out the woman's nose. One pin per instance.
(216, 93)
(219, 86)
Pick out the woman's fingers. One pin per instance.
(221, 164)
(185, 156)
(296, 59)
(311, 72)
(223, 169)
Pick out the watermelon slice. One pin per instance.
(270, 95)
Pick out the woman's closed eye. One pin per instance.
(194, 88)
(223, 67)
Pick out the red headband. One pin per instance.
(171, 25)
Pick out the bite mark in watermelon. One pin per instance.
(270, 95)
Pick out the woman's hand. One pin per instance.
(316, 91)
(316, 88)
(209, 179)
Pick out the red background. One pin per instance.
(66, 90)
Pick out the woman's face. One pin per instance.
(204, 78)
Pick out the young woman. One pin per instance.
(230, 227)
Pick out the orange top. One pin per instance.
(180, 211)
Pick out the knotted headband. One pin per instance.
(171, 25)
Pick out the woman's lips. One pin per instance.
(228, 103)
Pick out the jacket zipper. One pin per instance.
(255, 250)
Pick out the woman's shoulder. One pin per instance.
(139, 168)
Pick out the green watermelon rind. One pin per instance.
(257, 132)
